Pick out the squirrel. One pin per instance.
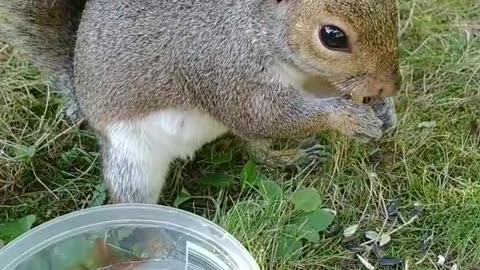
(157, 80)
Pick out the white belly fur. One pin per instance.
(169, 133)
(181, 133)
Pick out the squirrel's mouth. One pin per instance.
(361, 99)
(319, 87)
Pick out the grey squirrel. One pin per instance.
(157, 79)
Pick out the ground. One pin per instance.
(48, 168)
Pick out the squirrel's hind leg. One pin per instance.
(133, 170)
(300, 154)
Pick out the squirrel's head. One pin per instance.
(352, 43)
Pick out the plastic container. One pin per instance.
(168, 238)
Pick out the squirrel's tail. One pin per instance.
(45, 30)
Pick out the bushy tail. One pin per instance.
(45, 30)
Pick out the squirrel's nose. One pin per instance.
(384, 88)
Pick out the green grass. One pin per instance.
(48, 168)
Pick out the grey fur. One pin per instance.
(220, 57)
(132, 59)
(45, 30)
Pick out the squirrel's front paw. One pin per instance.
(385, 110)
(359, 121)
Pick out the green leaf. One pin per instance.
(306, 232)
(99, 195)
(249, 175)
(182, 197)
(306, 200)
(98, 199)
(289, 248)
(318, 220)
(2, 243)
(14, 229)
(270, 190)
(310, 234)
(217, 180)
(25, 153)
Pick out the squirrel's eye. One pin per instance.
(334, 38)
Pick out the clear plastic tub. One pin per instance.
(163, 238)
